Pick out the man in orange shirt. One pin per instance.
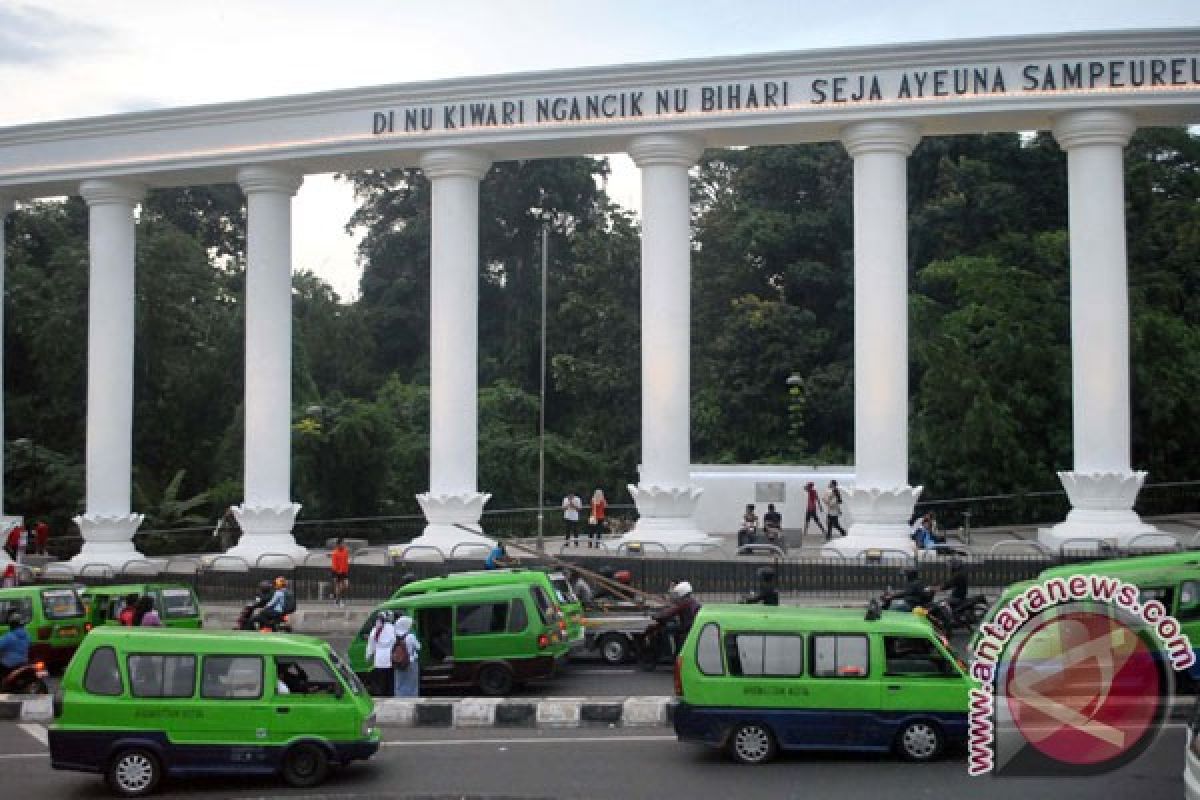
(340, 564)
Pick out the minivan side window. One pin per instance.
(708, 651)
(102, 676)
(518, 617)
(839, 655)
(915, 655)
(482, 618)
(232, 677)
(162, 676)
(543, 603)
(21, 605)
(765, 654)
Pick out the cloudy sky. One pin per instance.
(61, 59)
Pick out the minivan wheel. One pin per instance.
(614, 649)
(305, 765)
(133, 773)
(919, 740)
(495, 680)
(751, 743)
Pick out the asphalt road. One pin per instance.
(599, 764)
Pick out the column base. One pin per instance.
(107, 540)
(666, 516)
(879, 520)
(1101, 509)
(267, 530)
(453, 520)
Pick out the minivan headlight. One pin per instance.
(369, 725)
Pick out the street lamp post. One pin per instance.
(541, 516)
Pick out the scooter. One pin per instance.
(653, 647)
(966, 615)
(27, 679)
(246, 621)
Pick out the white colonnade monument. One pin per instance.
(1091, 90)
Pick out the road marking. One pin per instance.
(22, 755)
(527, 740)
(36, 731)
(573, 671)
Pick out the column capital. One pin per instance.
(1094, 127)
(665, 149)
(261, 178)
(453, 162)
(106, 191)
(880, 136)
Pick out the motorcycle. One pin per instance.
(246, 621)
(965, 616)
(928, 608)
(27, 679)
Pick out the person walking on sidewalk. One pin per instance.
(596, 520)
(379, 651)
(833, 510)
(812, 507)
(571, 506)
(339, 563)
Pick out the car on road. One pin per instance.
(755, 681)
(54, 618)
(141, 704)
(492, 638)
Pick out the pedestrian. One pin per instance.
(749, 527)
(128, 613)
(498, 558)
(10, 577)
(811, 508)
(406, 659)
(12, 542)
(339, 563)
(379, 652)
(571, 505)
(41, 535)
(596, 520)
(833, 510)
(144, 614)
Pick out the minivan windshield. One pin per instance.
(347, 674)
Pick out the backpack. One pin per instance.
(289, 601)
(400, 657)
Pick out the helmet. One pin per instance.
(264, 586)
(681, 589)
(281, 582)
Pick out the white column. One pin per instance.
(6, 521)
(453, 505)
(881, 501)
(1103, 486)
(665, 498)
(107, 525)
(267, 511)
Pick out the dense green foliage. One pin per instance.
(772, 287)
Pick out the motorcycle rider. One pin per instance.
(677, 618)
(14, 645)
(915, 593)
(956, 585)
(276, 607)
(766, 594)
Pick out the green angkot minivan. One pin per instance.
(54, 619)
(175, 603)
(492, 638)
(757, 680)
(139, 704)
(554, 583)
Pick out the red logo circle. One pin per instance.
(1084, 688)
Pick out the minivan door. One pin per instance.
(435, 631)
(309, 701)
(917, 676)
(845, 687)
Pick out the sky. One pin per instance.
(64, 59)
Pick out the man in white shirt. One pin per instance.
(571, 506)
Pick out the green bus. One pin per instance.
(755, 680)
(493, 638)
(138, 704)
(554, 583)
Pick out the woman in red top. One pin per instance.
(596, 523)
